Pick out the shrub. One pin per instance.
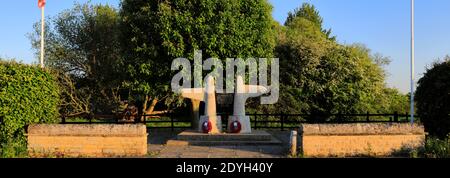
(436, 148)
(28, 95)
(13, 149)
(433, 99)
(432, 148)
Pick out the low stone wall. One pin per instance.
(96, 140)
(346, 140)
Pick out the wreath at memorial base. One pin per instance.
(206, 126)
(235, 127)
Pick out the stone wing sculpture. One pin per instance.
(239, 122)
(193, 93)
(209, 122)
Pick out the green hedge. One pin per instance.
(28, 95)
(433, 99)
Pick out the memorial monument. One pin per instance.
(210, 122)
(209, 130)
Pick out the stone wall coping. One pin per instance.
(101, 130)
(362, 129)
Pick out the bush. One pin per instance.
(434, 148)
(28, 95)
(433, 99)
(13, 149)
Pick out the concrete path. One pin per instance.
(216, 151)
(158, 149)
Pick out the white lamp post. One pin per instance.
(412, 62)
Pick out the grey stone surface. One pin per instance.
(221, 152)
(192, 138)
(258, 135)
(158, 149)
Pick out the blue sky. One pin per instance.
(382, 25)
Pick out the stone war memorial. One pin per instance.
(238, 122)
(218, 79)
(238, 127)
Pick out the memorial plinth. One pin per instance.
(258, 137)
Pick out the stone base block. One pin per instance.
(258, 137)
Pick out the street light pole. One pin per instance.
(412, 62)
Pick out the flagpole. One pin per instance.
(42, 36)
(412, 62)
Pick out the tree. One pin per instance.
(433, 99)
(307, 11)
(310, 13)
(325, 77)
(394, 101)
(82, 44)
(156, 32)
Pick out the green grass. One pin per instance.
(79, 119)
(165, 121)
(162, 122)
(168, 124)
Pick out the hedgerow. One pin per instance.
(28, 95)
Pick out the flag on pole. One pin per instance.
(41, 3)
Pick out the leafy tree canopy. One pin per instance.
(309, 12)
(326, 77)
(156, 32)
(82, 43)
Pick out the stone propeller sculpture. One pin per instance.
(209, 122)
(239, 122)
